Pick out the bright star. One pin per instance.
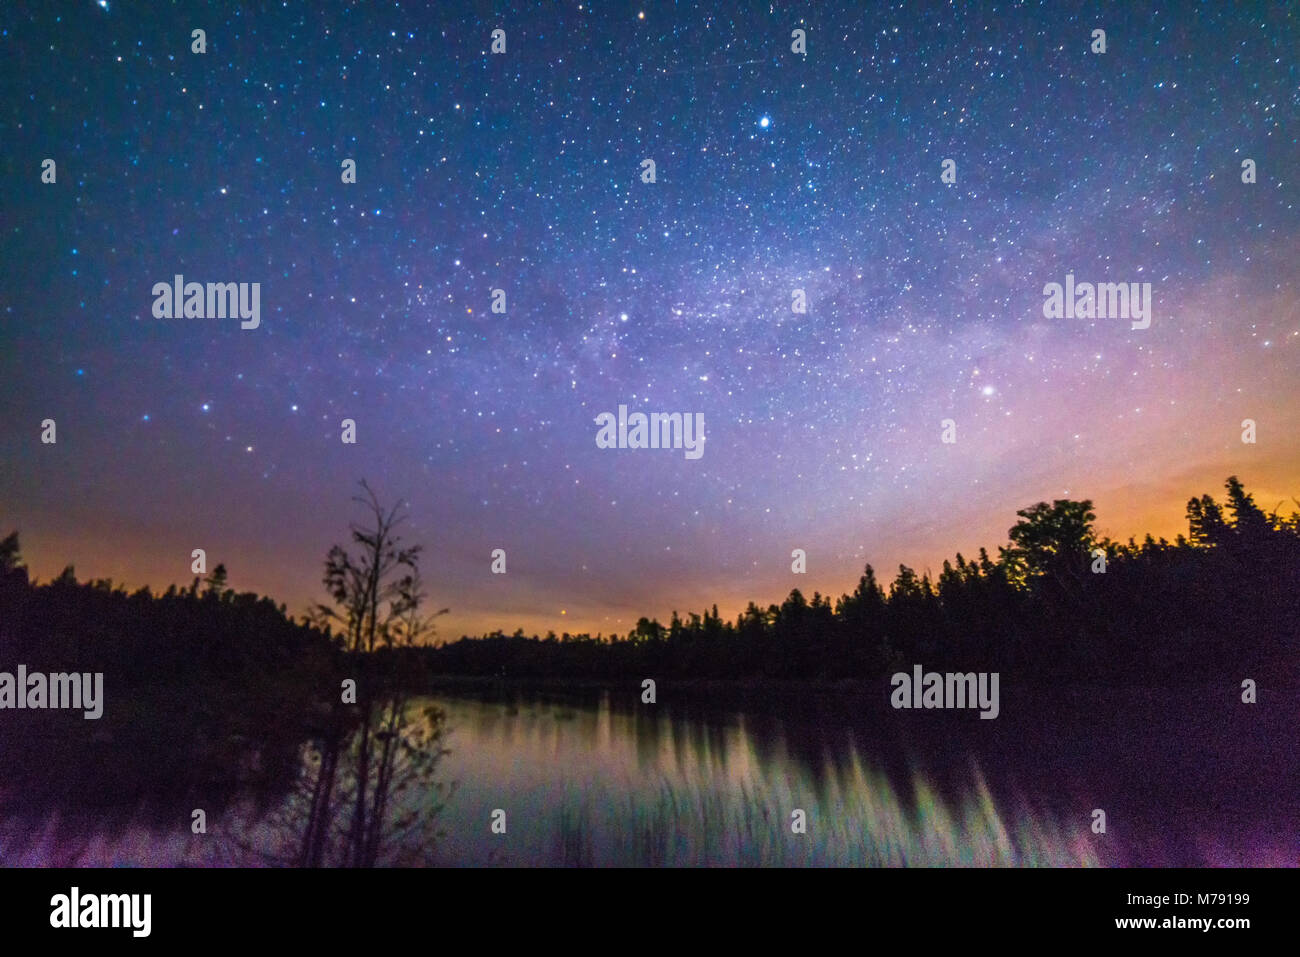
(765, 122)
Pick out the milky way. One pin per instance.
(522, 171)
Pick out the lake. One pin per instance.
(787, 777)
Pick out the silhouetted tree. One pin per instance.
(10, 554)
(377, 603)
(1251, 525)
(216, 582)
(1051, 540)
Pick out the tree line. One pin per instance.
(1058, 603)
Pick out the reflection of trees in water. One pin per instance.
(70, 794)
(366, 795)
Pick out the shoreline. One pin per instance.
(837, 688)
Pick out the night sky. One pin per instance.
(775, 171)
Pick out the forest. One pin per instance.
(1057, 603)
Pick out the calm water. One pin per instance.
(1184, 778)
(604, 782)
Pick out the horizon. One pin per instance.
(885, 574)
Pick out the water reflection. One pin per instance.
(594, 783)
(601, 780)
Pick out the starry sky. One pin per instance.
(522, 171)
